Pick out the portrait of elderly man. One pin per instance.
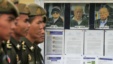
(78, 19)
(104, 18)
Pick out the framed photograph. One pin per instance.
(79, 16)
(104, 16)
(55, 14)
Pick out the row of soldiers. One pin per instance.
(21, 30)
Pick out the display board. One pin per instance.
(78, 1)
(79, 32)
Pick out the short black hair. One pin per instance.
(31, 18)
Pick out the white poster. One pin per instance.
(74, 42)
(109, 43)
(104, 60)
(94, 40)
(40, 2)
(54, 42)
(72, 59)
(89, 60)
(54, 59)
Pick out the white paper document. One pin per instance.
(40, 2)
(89, 60)
(94, 40)
(54, 59)
(54, 42)
(105, 60)
(74, 42)
(109, 43)
(72, 59)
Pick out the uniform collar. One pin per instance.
(28, 43)
(39, 49)
(15, 43)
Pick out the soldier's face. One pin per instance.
(36, 27)
(6, 25)
(103, 13)
(41, 37)
(22, 25)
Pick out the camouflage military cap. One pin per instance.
(8, 7)
(36, 10)
(23, 9)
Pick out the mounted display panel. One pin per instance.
(79, 32)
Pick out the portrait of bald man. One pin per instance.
(78, 17)
(104, 19)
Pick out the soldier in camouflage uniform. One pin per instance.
(20, 30)
(37, 19)
(8, 13)
(39, 40)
